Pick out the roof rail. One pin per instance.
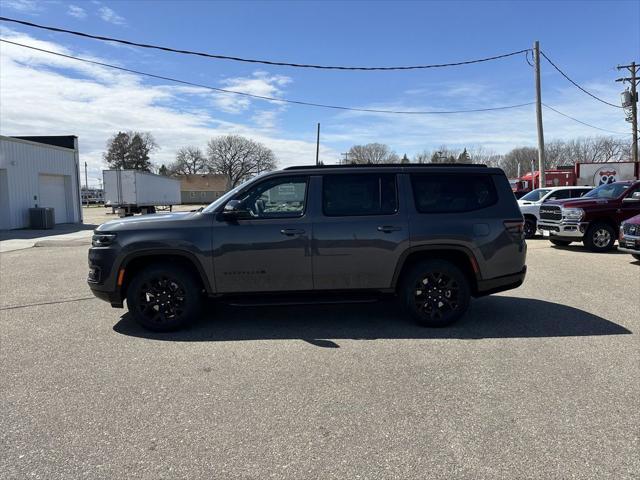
(396, 165)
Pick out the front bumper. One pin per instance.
(629, 244)
(102, 276)
(563, 229)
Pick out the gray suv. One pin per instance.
(434, 235)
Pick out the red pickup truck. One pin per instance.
(594, 218)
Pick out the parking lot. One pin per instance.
(538, 382)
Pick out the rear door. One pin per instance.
(359, 231)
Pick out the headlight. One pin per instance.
(572, 213)
(102, 239)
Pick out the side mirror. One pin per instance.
(234, 209)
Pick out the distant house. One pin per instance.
(202, 188)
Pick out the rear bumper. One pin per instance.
(500, 284)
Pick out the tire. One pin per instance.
(430, 305)
(529, 228)
(560, 243)
(600, 237)
(164, 297)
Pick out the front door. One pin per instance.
(268, 249)
(630, 208)
(360, 233)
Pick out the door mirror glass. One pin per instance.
(634, 197)
(235, 209)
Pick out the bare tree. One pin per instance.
(525, 157)
(189, 160)
(372, 153)
(238, 158)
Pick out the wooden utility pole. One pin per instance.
(536, 60)
(633, 80)
(318, 146)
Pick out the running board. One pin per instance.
(277, 301)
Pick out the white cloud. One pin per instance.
(22, 6)
(259, 83)
(109, 15)
(47, 95)
(77, 12)
(498, 131)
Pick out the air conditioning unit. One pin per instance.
(42, 218)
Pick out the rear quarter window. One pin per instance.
(450, 193)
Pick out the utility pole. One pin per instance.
(318, 146)
(633, 80)
(536, 60)
(86, 183)
(346, 157)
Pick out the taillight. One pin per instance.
(515, 228)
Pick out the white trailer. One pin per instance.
(133, 191)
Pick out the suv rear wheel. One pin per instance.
(164, 297)
(600, 237)
(436, 293)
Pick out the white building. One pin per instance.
(39, 172)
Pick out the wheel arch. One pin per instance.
(460, 256)
(136, 261)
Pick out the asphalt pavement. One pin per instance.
(539, 382)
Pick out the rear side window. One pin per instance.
(360, 194)
(577, 193)
(560, 195)
(448, 193)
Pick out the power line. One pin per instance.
(583, 123)
(262, 97)
(251, 60)
(575, 84)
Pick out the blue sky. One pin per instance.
(44, 95)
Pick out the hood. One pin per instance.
(157, 220)
(579, 202)
(634, 220)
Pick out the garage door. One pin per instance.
(53, 194)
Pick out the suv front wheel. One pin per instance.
(164, 297)
(436, 293)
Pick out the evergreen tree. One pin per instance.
(464, 157)
(130, 150)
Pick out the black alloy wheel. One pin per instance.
(164, 298)
(436, 293)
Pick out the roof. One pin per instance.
(64, 141)
(209, 182)
(397, 167)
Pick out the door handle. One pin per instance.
(291, 231)
(388, 228)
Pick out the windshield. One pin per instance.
(611, 190)
(212, 207)
(536, 195)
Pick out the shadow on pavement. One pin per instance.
(490, 317)
(32, 234)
